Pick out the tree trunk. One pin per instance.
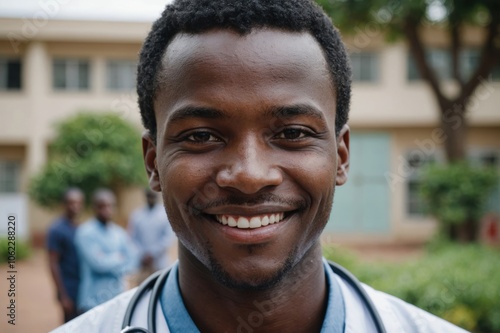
(454, 126)
(467, 232)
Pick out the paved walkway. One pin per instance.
(37, 310)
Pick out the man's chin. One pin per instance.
(253, 282)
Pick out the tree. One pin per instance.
(405, 19)
(456, 195)
(91, 150)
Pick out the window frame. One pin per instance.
(72, 74)
(5, 75)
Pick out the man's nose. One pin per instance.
(249, 167)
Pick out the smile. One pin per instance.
(249, 222)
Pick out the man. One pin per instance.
(150, 230)
(106, 254)
(245, 105)
(63, 260)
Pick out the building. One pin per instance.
(52, 69)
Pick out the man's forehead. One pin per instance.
(262, 45)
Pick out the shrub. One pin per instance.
(90, 151)
(23, 250)
(458, 283)
(456, 194)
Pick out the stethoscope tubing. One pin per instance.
(156, 282)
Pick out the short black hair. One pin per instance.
(197, 16)
(71, 190)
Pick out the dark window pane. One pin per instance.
(14, 74)
(10, 74)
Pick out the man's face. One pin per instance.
(151, 198)
(73, 203)
(246, 136)
(105, 208)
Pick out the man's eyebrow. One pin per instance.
(290, 111)
(195, 112)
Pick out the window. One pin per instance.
(9, 176)
(121, 74)
(439, 60)
(71, 74)
(491, 159)
(495, 75)
(417, 161)
(469, 60)
(364, 66)
(10, 74)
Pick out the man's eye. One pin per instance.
(291, 134)
(202, 137)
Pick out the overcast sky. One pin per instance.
(119, 10)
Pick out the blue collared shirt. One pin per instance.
(60, 239)
(179, 320)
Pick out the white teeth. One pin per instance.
(243, 223)
(253, 222)
(265, 221)
(231, 221)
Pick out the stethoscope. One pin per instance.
(156, 282)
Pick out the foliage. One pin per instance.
(458, 192)
(456, 282)
(91, 150)
(351, 16)
(371, 19)
(22, 250)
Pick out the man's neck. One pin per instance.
(70, 218)
(296, 304)
(102, 221)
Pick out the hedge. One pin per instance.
(460, 283)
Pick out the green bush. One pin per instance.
(459, 283)
(23, 250)
(91, 150)
(457, 193)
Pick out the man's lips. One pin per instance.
(249, 222)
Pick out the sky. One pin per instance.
(115, 10)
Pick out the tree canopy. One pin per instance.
(91, 150)
(405, 19)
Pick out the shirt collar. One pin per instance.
(179, 320)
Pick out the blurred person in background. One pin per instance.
(63, 258)
(106, 254)
(150, 230)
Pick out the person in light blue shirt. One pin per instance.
(150, 229)
(106, 254)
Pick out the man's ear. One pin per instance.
(149, 154)
(342, 155)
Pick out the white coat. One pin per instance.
(397, 315)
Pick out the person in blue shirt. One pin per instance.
(63, 259)
(106, 254)
(150, 229)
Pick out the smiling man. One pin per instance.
(245, 105)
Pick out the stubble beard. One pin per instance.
(257, 284)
